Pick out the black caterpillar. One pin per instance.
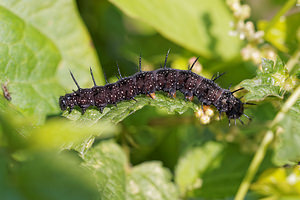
(148, 82)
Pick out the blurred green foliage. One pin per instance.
(282, 183)
(149, 149)
(272, 80)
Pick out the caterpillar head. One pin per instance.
(69, 101)
(232, 106)
(235, 108)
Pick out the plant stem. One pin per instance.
(293, 60)
(286, 106)
(260, 153)
(259, 156)
(288, 5)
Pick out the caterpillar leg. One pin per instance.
(235, 121)
(134, 99)
(247, 117)
(101, 109)
(172, 94)
(83, 108)
(152, 95)
(190, 98)
(241, 121)
(71, 108)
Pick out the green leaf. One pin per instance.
(271, 80)
(37, 46)
(276, 35)
(274, 80)
(195, 25)
(14, 128)
(63, 134)
(17, 132)
(194, 162)
(283, 34)
(286, 150)
(280, 183)
(126, 108)
(219, 174)
(150, 181)
(28, 62)
(107, 161)
(52, 176)
(60, 23)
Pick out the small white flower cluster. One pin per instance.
(204, 115)
(254, 50)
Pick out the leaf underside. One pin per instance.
(126, 108)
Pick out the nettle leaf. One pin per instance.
(274, 80)
(271, 80)
(194, 162)
(28, 63)
(126, 108)
(150, 180)
(286, 151)
(107, 163)
(115, 180)
(33, 43)
(194, 24)
(60, 23)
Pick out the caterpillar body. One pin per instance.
(148, 82)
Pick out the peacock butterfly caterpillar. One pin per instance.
(148, 82)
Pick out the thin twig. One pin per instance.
(293, 60)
